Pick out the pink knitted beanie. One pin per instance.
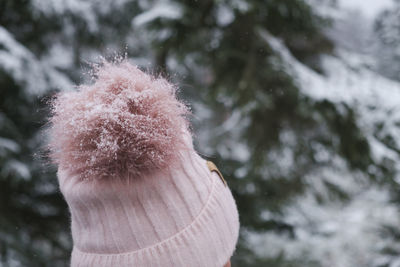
(138, 193)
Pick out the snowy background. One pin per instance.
(297, 101)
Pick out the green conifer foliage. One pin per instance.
(221, 50)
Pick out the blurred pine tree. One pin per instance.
(261, 130)
(33, 214)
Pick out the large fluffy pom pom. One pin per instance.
(126, 122)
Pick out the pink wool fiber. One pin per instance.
(126, 122)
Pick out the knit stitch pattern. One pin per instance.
(185, 218)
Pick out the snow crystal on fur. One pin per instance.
(126, 122)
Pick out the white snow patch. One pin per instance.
(165, 10)
(225, 15)
(15, 167)
(85, 10)
(336, 235)
(369, 7)
(8, 144)
(26, 69)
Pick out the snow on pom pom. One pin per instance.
(126, 122)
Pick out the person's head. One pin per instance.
(138, 192)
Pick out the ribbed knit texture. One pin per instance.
(178, 217)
